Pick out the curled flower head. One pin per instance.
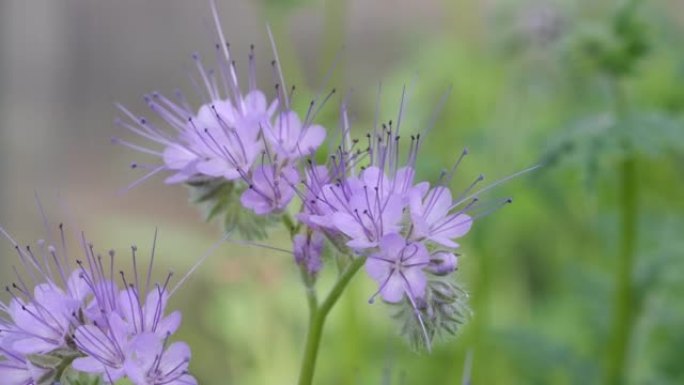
(367, 200)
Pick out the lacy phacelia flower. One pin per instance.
(368, 201)
(235, 136)
(83, 316)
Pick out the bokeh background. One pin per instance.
(580, 281)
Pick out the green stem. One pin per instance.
(624, 295)
(317, 318)
(624, 302)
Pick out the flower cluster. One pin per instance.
(79, 316)
(236, 136)
(364, 200)
(370, 202)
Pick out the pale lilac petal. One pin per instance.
(78, 287)
(88, 365)
(255, 201)
(416, 281)
(177, 157)
(444, 241)
(90, 338)
(393, 291)
(255, 102)
(136, 373)
(438, 202)
(392, 246)
(143, 350)
(155, 304)
(392, 214)
(454, 226)
(184, 380)
(215, 167)
(348, 225)
(377, 268)
(314, 137)
(169, 324)
(176, 356)
(32, 345)
(180, 177)
(13, 374)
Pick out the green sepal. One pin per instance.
(70, 376)
(219, 198)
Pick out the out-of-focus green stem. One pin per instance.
(318, 314)
(624, 302)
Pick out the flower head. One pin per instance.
(238, 136)
(79, 311)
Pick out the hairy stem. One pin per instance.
(318, 315)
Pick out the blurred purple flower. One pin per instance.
(85, 315)
(442, 263)
(307, 251)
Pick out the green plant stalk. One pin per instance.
(624, 301)
(318, 315)
(623, 321)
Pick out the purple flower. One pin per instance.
(229, 136)
(398, 268)
(151, 363)
(433, 217)
(86, 315)
(271, 189)
(307, 251)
